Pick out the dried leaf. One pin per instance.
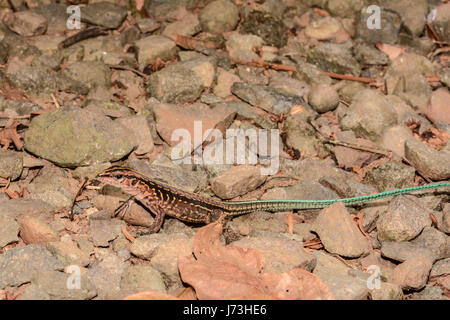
(231, 272)
(10, 135)
(392, 51)
(150, 295)
(191, 43)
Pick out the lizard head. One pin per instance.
(117, 176)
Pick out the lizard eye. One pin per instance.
(119, 176)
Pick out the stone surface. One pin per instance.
(413, 273)
(138, 278)
(241, 47)
(338, 233)
(150, 48)
(219, 16)
(11, 164)
(9, 229)
(105, 14)
(73, 137)
(26, 23)
(90, 73)
(323, 98)
(403, 220)
(68, 253)
(20, 264)
(33, 230)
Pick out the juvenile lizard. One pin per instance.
(162, 199)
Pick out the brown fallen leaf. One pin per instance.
(230, 272)
(10, 135)
(150, 295)
(392, 51)
(191, 43)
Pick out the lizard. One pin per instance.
(162, 199)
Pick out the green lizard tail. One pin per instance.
(241, 207)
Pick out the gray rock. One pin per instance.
(387, 291)
(104, 231)
(90, 73)
(333, 58)
(435, 241)
(265, 97)
(33, 80)
(140, 130)
(429, 293)
(323, 98)
(219, 16)
(346, 188)
(391, 175)
(241, 47)
(21, 206)
(73, 137)
(106, 275)
(55, 284)
(434, 164)
(139, 278)
(11, 164)
(26, 23)
(68, 253)
(440, 21)
(390, 23)
(282, 252)
(411, 12)
(146, 25)
(403, 220)
(34, 292)
(9, 229)
(445, 226)
(54, 186)
(440, 268)
(187, 26)
(336, 276)
(338, 233)
(163, 251)
(369, 115)
(413, 273)
(105, 14)
(20, 264)
(402, 251)
(150, 48)
(175, 84)
(237, 181)
(35, 230)
(267, 26)
(369, 55)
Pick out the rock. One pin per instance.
(438, 108)
(374, 259)
(258, 221)
(346, 188)
(150, 48)
(68, 253)
(338, 233)
(242, 47)
(56, 16)
(434, 164)
(189, 25)
(105, 14)
(11, 164)
(412, 13)
(19, 265)
(266, 26)
(204, 67)
(402, 251)
(344, 8)
(55, 284)
(26, 23)
(325, 28)
(369, 115)
(33, 80)
(369, 55)
(103, 231)
(147, 25)
(34, 292)
(33, 230)
(391, 175)
(386, 32)
(429, 293)
(335, 275)
(170, 118)
(333, 57)
(404, 219)
(138, 278)
(225, 81)
(413, 273)
(323, 98)
(440, 21)
(73, 137)
(282, 252)
(106, 275)
(387, 291)
(219, 16)
(175, 84)
(163, 250)
(441, 268)
(9, 229)
(446, 219)
(394, 139)
(140, 131)
(237, 181)
(435, 241)
(20, 206)
(310, 73)
(90, 73)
